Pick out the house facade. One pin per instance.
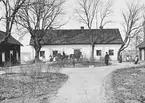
(9, 51)
(79, 40)
(142, 50)
(99, 51)
(141, 46)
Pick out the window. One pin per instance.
(98, 52)
(55, 52)
(111, 52)
(42, 53)
(3, 57)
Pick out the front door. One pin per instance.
(76, 51)
(77, 54)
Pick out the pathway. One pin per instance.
(85, 85)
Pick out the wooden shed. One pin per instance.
(9, 51)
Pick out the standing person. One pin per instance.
(131, 60)
(50, 58)
(136, 59)
(127, 58)
(73, 60)
(106, 58)
(63, 55)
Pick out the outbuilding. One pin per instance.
(9, 51)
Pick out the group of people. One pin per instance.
(130, 59)
(57, 57)
(63, 56)
(120, 59)
(106, 58)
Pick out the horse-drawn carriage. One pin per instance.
(64, 57)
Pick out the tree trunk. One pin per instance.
(92, 53)
(37, 47)
(37, 55)
(118, 55)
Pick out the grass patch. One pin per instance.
(128, 83)
(21, 88)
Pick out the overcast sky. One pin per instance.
(118, 6)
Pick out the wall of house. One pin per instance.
(69, 49)
(105, 48)
(27, 53)
(142, 54)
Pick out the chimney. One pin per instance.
(101, 27)
(82, 28)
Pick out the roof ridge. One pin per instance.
(11, 39)
(88, 29)
(109, 35)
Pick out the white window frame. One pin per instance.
(111, 50)
(43, 54)
(97, 54)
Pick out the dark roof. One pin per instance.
(11, 40)
(80, 36)
(141, 45)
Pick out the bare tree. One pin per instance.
(144, 22)
(136, 41)
(88, 13)
(40, 15)
(106, 11)
(10, 7)
(131, 24)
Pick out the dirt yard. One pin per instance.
(86, 85)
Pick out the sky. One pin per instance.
(70, 5)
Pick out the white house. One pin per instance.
(27, 53)
(141, 46)
(142, 50)
(79, 40)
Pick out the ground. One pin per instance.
(28, 85)
(126, 85)
(85, 85)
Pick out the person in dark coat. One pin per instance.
(136, 59)
(106, 58)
